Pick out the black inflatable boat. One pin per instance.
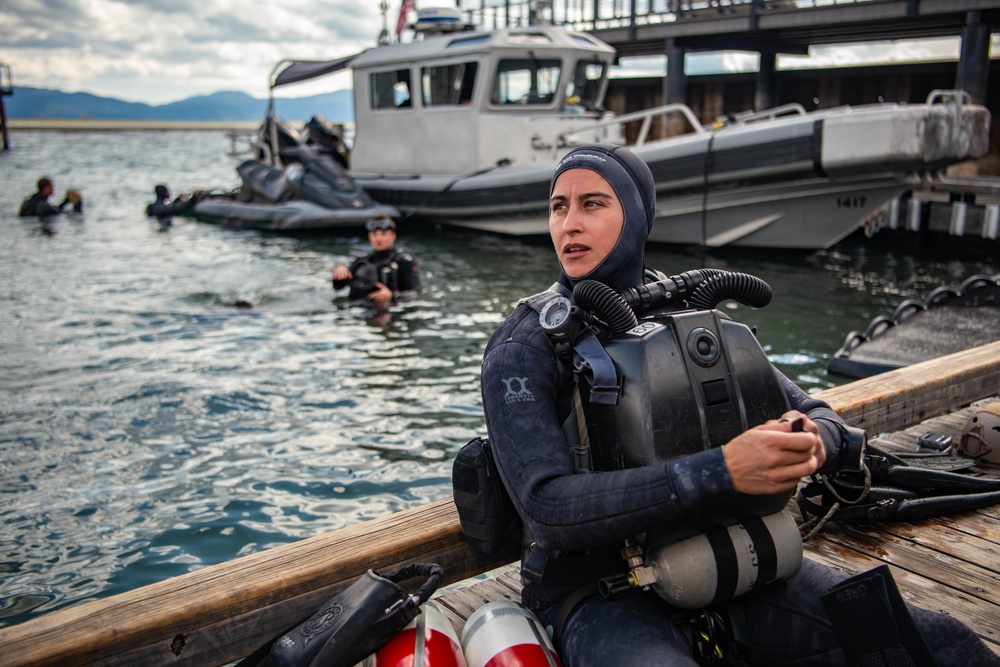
(309, 192)
(949, 320)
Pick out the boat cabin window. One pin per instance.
(391, 90)
(585, 85)
(525, 81)
(448, 85)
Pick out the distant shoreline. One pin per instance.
(91, 125)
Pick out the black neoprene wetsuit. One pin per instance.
(394, 268)
(38, 205)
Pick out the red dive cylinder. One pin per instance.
(506, 634)
(429, 640)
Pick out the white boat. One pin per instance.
(465, 127)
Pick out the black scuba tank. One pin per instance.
(691, 379)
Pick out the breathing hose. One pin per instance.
(701, 289)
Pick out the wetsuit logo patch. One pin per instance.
(517, 391)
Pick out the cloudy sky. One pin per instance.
(158, 51)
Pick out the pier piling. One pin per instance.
(6, 88)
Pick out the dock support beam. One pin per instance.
(6, 88)
(974, 60)
(675, 83)
(766, 81)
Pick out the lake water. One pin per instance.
(148, 427)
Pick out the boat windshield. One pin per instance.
(585, 86)
(448, 85)
(526, 81)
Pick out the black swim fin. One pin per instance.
(872, 623)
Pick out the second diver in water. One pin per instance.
(385, 274)
(163, 209)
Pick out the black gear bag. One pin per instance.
(352, 625)
(489, 521)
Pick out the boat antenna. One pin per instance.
(536, 11)
(383, 37)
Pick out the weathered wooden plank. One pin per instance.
(219, 613)
(211, 616)
(906, 396)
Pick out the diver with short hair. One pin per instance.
(385, 274)
(38, 203)
(602, 207)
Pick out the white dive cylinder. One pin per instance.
(429, 640)
(719, 564)
(506, 634)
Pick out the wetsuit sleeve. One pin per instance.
(562, 510)
(826, 419)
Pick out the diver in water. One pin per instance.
(383, 275)
(163, 210)
(38, 203)
(602, 206)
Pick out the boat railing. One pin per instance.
(747, 117)
(644, 117)
(941, 96)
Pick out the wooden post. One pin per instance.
(6, 88)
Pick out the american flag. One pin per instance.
(404, 9)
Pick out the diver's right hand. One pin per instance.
(342, 273)
(772, 458)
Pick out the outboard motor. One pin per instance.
(689, 379)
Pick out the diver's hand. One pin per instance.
(382, 294)
(342, 273)
(771, 458)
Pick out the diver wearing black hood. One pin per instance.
(602, 207)
(179, 206)
(385, 274)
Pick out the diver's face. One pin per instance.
(585, 220)
(381, 239)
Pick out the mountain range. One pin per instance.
(42, 103)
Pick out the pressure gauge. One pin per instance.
(555, 316)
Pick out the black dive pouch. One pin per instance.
(489, 521)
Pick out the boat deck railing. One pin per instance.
(645, 118)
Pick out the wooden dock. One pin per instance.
(220, 613)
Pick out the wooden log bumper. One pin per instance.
(222, 612)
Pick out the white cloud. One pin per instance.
(156, 52)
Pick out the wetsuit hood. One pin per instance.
(161, 192)
(634, 185)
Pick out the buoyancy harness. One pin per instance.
(684, 378)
